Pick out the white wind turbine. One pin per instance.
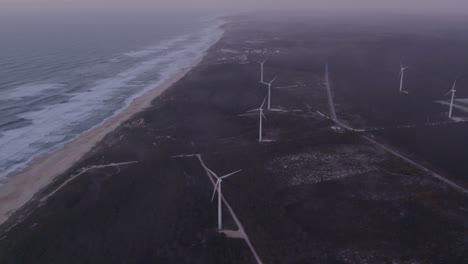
(402, 73)
(453, 97)
(261, 69)
(261, 116)
(217, 188)
(269, 91)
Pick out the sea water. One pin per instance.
(63, 75)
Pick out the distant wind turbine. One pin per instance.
(453, 97)
(402, 73)
(269, 91)
(217, 188)
(261, 116)
(261, 69)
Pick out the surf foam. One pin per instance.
(57, 124)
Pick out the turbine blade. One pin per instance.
(286, 87)
(215, 189)
(448, 92)
(263, 115)
(246, 114)
(253, 110)
(273, 79)
(210, 171)
(230, 174)
(264, 100)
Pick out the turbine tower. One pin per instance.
(269, 91)
(453, 97)
(261, 69)
(402, 73)
(261, 116)
(217, 188)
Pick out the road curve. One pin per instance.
(387, 148)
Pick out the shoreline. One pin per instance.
(24, 183)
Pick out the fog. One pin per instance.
(406, 6)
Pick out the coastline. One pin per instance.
(24, 183)
(307, 195)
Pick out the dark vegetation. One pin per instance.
(159, 210)
(440, 146)
(364, 56)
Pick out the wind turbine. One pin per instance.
(261, 69)
(269, 90)
(453, 97)
(217, 188)
(261, 116)
(402, 73)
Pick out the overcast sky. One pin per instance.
(433, 6)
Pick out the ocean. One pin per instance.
(60, 76)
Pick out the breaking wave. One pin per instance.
(56, 113)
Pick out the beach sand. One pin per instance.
(23, 184)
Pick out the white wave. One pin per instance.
(164, 45)
(29, 90)
(56, 123)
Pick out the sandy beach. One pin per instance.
(23, 184)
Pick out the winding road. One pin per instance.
(385, 147)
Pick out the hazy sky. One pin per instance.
(456, 6)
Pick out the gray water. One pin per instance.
(62, 75)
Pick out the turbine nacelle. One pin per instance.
(271, 82)
(402, 70)
(274, 79)
(219, 180)
(453, 97)
(453, 88)
(402, 66)
(261, 117)
(269, 90)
